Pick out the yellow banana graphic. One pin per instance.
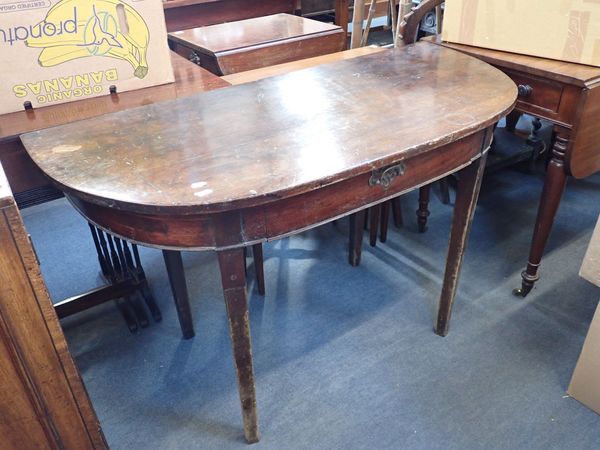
(92, 28)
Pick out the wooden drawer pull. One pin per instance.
(525, 90)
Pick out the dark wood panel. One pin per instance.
(182, 15)
(43, 403)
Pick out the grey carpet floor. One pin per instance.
(346, 357)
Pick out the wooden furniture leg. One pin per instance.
(444, 191)
(511, 120)
(257, 253)
(464, 208)
(341, 14)
(423, 212)
(374, 215)
(554, 186)
(356, 235)
(231, 263)
(176, 274)
(397, 212)
(385, 218)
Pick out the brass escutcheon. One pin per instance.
(385, 176)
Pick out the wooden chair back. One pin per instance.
(408, 25)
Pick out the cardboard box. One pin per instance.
(585, 384)
(56, 51)
(590, 269)
(566, 30)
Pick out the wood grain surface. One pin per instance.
(277, 137)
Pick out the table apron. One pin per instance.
(284, 217)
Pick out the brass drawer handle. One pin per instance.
(385, 176)
(525, 90)
(194, 57)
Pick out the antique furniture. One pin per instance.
(118, 260)
(568, 95)
(249, 44)
(301, 154)
(43, 403)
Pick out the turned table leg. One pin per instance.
(176, 274)
(231, 263)
(467, 192)
(554, 186)
(423, 212)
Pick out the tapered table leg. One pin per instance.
(356, 235)
(554, 186)
(259, 267)
(385, 218)
(176, 274)
(231, 263)
(374, 216)
(464, 208)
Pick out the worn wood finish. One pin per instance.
(286, 132)
(299, 155)
(250, 44)
(281, 69)
(568, 95)
(23, 175)
(43, 403)
(469, 182)
(231, 263)
(186, 14)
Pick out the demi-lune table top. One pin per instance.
(278, 137)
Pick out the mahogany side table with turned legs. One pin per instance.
(568, 95)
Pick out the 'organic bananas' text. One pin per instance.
(69, 87)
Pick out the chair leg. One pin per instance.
(375, 212)
(423, 212)
(257, 253)
(444, 191)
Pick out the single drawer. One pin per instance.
(537, 92)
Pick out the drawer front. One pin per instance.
(537, 92)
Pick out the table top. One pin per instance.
(250, 32)
(278, 137)
(189, 79)
(561, 71)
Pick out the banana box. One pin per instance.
(57, 51)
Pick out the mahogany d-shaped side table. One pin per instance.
(242, 165)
